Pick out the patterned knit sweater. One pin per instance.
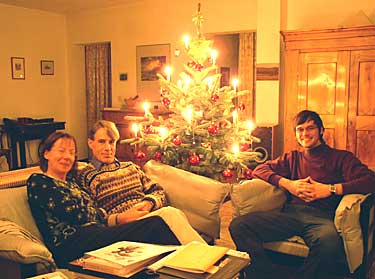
(60, 208)
(118, 186)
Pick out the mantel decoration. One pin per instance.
(203, 134)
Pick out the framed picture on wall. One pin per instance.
(151, 59)
(18, 67)
(47, 67)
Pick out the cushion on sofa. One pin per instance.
(16, 178)
(19, 245)
(255, 195)
(348, 225)
(199, 197)
(15, 207)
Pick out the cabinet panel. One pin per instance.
(361, 114)
(322, 86)
(325, 73)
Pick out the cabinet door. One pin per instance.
(321, 85)
(361, 114)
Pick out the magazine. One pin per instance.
(196, 257)
(124, 258)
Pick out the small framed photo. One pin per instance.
(18, 67)
(47, 67)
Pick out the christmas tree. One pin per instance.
(203, 134)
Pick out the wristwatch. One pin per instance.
(332, 188)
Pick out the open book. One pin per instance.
(124, 258)
(195, 257)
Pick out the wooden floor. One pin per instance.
(226, 240)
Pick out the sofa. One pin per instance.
(23, 254)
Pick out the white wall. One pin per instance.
(33, 35)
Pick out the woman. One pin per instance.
(66, 215)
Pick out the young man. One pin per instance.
(315, 179)
(122, 187)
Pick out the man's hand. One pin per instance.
(144, 205)
(137, 211)
(295, 187)
(315, 190)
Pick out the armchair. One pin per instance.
(354, 221)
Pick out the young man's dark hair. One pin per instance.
(307, 115)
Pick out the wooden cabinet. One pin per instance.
(332, 72)
(125, 152)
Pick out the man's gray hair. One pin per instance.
(109, 126)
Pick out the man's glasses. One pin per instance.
(307, 129)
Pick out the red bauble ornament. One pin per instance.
(244, 146)
(214, 97)
(213, 129)
(150, 130)
(166, 102)
(248, 174)
(157, 156)
(198, 67)
(194, 159)
(140, 155)
(227, 173)
(177, 140)
(241, 107)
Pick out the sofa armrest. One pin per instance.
(199, 197)
(352, 219)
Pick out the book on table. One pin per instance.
(201, 261)
(123, 259)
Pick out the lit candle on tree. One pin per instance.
(235, 149)
(168, 71)
(213, 56)
(235, 84)
(163, 132)
(146, 107)
(186, 41)
(250, 127)
(135, 129)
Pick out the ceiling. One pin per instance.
(65, 6)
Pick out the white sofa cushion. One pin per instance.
(255, 195)
(199, 197)
(19, 245)
(15, 207)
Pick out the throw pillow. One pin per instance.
(199, 197)
(255, 195)
(19, 245)
(347, 223)
(21, 213)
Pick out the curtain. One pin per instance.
(246, 74)
(98, 80)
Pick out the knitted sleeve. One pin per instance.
(153, 191)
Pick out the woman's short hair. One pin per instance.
(47, 145)
(109, 126)
(307, 115)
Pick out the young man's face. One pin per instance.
(103, 147)
(308, 134)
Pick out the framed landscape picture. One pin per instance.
(47, 67)
(151, 59)
(18, 67)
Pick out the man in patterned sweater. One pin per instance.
(123, 186)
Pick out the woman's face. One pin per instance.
(61, 156)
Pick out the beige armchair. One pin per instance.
(354, 221)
